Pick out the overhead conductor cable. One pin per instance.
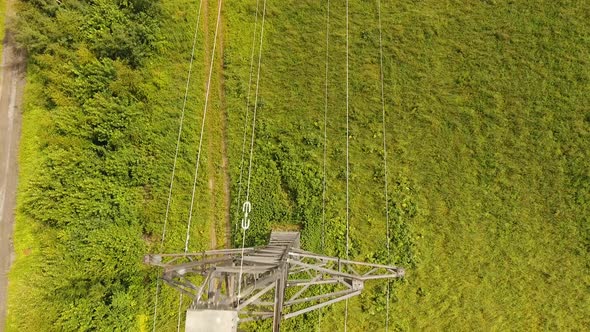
(205, 107)
(247, 109)
(247, 205)
(347, 162)
(323, 244)
(188, 79)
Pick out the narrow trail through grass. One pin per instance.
(225, 223)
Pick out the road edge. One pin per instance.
(12, 82)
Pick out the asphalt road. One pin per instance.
(11, 87)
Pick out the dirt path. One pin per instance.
(217, 163)
(224, 157)
(211, 180)
(11, 88)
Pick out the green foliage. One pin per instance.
(91, 161)
(100, 124)
(123, 30)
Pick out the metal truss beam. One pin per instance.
(279, 281)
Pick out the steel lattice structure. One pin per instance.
(275, 281)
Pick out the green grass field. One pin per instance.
(488, 134)
(488, 138)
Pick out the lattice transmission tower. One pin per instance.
(277, 281)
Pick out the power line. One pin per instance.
(205, 107)
(347, 161)
(325, 126)
(188, 79)
(384, 157)
(323, 245)
(179, 309)
(255, 102)
(347, 139)
(247, 206)
(156, 305)
(186, 243)
(247, 110)
(184, 102)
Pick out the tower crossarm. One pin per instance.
(278, 281)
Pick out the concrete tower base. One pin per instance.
(211, 321)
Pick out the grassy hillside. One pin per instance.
(487, 130)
